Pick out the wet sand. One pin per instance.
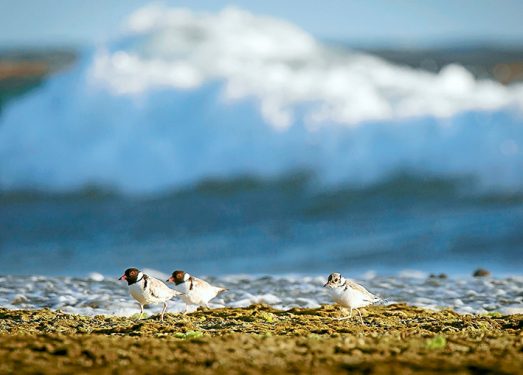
(259, 339)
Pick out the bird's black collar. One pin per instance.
(190, 280)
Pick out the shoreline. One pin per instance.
(256, 339)
(98, 295)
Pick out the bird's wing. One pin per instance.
(159, 290)
(199, 283)
(204, 285)
(351, 284)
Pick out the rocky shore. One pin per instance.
(25, 69)
(260, 339)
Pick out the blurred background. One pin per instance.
(232, 137)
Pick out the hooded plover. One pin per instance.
(194, 291)
(348, 294)
(147, 290)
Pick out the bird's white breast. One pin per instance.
(350, 298)
(150, 295)
(137, 292)
(198, 295)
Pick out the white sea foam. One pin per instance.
(184, 96)
(155, 273)
(95, 276)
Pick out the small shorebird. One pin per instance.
(347, 293)
(194, 291)
(147, 290)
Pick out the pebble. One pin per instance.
(481, 272)
(490, 307)
(440, 276)
(19, 299)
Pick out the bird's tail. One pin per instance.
(221, 290)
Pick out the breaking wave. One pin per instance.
(182, 97)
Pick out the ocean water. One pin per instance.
(248, 227)
(237, 144)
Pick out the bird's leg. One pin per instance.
(361, 319)
(186, 309)
(141, 311)
(344, 310)
(163, 311)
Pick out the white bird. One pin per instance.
(194, 291)
(347, 293)
(147, 290)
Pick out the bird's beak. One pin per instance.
(170, 280)
(123, 277)
(326, 285)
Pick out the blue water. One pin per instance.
(279, 228)
(243, 145)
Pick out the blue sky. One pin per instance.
(390, 23)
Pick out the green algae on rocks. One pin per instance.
(260, 339)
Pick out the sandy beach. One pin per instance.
(259, 339)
